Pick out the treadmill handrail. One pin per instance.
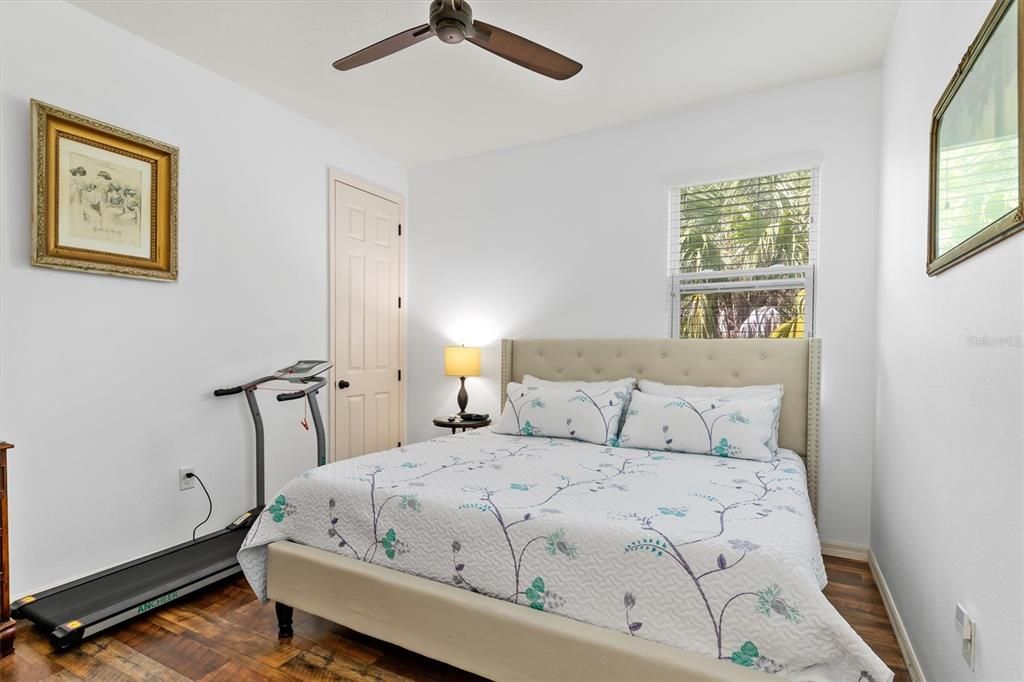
(248, 386)
(314, 385)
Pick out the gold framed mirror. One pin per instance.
(976, 180)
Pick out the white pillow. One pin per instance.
(581, 414)
(704, 426)
(627, 385)
(771, 392)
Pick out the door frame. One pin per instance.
(335, 175)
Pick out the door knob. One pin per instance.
(343, 384)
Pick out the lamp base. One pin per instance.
(463, 396)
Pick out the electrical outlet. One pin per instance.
(184, 482)
(965, 626)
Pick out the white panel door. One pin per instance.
(367, 345)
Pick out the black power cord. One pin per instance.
(208, 499)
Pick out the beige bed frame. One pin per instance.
(505, 641)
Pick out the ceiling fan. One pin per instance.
(452, 22)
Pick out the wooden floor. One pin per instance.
(852, 590)
(223, 633)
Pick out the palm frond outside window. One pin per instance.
(742, 256)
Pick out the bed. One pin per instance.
(545, 558)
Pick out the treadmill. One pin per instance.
(94, 603)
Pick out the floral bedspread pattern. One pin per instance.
(710, 554)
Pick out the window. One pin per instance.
(742, 256)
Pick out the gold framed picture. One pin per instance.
(976, 184)
(106, 199)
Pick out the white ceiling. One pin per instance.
(435, 101)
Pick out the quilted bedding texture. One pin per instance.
(714, 555)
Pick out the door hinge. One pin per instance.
(399, 301)
(399, 229)
(399, 375)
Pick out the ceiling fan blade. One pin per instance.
(397, 42)
(523, 52)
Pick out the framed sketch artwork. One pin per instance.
(106, 199)
(977, 179)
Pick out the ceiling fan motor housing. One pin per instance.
(451, 20)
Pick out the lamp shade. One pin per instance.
(460, 361)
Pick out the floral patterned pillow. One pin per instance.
(581, 414)
(738, 428)
(772, 392)
(626, 385)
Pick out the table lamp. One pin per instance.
(462, 362)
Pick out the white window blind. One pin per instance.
(742, 255)
(979, 186)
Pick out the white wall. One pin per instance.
(946, 508)
(106, 382)
(568, 238)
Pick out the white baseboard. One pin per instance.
(906, 648)
(845, 550)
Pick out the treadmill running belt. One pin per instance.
(162, 573)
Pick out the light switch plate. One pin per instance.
(965, 626)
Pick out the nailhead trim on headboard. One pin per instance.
(506, 368)
(813, 421)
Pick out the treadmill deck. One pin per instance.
(132, 585)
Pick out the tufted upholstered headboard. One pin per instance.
(794, 363)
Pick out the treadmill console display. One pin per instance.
(303, 369)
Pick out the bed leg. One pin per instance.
(284, 620)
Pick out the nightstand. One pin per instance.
(459, 423)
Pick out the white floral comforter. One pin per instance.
(714, 555)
